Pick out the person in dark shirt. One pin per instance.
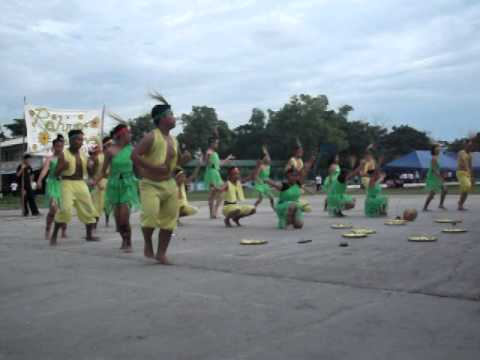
(24, 178)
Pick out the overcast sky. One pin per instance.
(396, 62)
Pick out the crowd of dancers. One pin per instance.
(150, 177)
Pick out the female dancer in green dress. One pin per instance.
(434, 181)
(289, 207)
(333, 172)
(53, 189)
(122, 188)
(261, 174)
(337, 199)
(376, 204)
(212, 178)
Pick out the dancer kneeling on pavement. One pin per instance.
(72, 167)
(121, 194)
(156, 157)
(337, 199)
(376, 204)
(233, 189)
(53, 191)
(184, 207)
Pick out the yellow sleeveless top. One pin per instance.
(72, 163)
(297, 164)
(369, 165)
(158, 151)
(463, 158)
(234, 192)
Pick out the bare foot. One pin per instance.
(425, 209)
(237, 221)
(162, 259)
(442, 207)
(227, 222)
(128, 250)
(64, 236)
(461, 208)
(47, 234)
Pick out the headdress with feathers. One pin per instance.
(159, 110)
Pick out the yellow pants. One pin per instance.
(244, 209)
(187, 210)
(305, 205)
(465, 181)
(159, 204)
(98, 196)
(75, 194)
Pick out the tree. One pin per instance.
(250, 137)
(360, 134)
(17, 128)
(458, 144)
(402, 140)
(140, 126)
(198, 128)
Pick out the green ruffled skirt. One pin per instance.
(121, 190)
(433, 183)
(53, 191)
(264, 189)
(282, 213)
(337, 202)
(376, 206)
(212, 177)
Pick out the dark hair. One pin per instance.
(75, 132)
(432, 149)
(159, 111)
(27, 156)
(232, 169)
(342, 176)
(106, 139)
(58, 139)
(116, 129)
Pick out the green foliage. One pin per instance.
(458, 144)
(17, 128)
(402, 140)
(140, 126)
(198, 128)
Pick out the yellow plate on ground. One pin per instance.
(454, 230)
(252, 242)
(341, 226)
(366, 231)
(396, 222)
(422, 238)
(447, 221)
(353, 235)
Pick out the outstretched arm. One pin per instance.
(274, 184)
(44, 172)
(106, 165)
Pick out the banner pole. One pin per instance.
(22, 179)
(103, 122)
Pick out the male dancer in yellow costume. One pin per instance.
(72, 167)
(156, 157)
(465, 174)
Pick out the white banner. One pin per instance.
(43, 125)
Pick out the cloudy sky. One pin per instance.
(396, 62)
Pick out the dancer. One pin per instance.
(367, 164)
(333, 172)
(296, 163)
(95, 163)
(72, 167)
(155, 157)
(233, 189)
(465, 174)
(434, 182)
(213, 180)
(289, 207)
(261, 174)
(337, 199)
(376, 204)
(184, 207)
(121, 195)
(53, 191)
(106, 143)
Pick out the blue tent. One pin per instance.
(420, 160)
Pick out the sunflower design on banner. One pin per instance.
(44, 124)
